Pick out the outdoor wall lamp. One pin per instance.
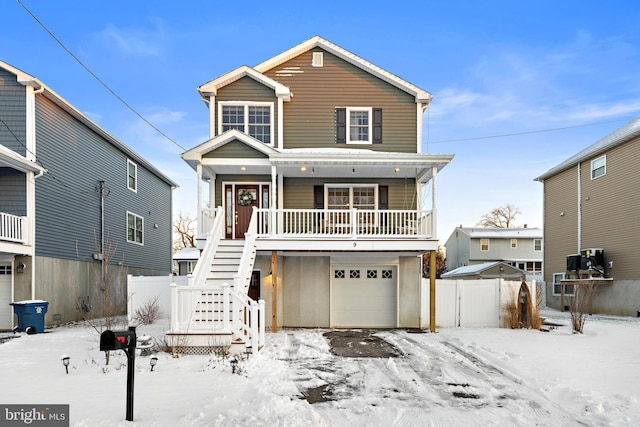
(153, 362)
(65, 362)
(20, 268)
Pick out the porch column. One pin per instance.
(272, 203)
(280, 122)
(432, 290)
(274, 291)
(212, 193)
(30, 153)
(434, 213)
(280, 201)
(199, 206)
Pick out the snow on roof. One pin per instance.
(187, 253)
(619, 136)
(470, 269)
(502, 233)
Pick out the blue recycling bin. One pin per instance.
(30, 315)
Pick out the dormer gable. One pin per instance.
(211, 88)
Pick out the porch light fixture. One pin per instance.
(243, 168)
(353, 170)
(303, 168)
(153, 361)
(20, 268)
(65, 362)
(396, 170)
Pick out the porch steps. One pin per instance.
(224, 265)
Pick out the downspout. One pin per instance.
(102, 232)
(579, 207)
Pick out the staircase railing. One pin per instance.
(214, 236)
(243, 278)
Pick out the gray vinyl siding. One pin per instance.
(611, 207)
(68, 199)
(13, 198)
(500, 249)
(560, 221)
(309, 119)
(13, 104)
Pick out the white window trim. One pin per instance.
(369, 111)
(553, 285)
(488, 245)
(604, 158)
(350, 187)
(534, 245)
(246, 105)
(129, 162)
(127, 228)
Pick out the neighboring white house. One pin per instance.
(517, 247)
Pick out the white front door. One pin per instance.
(364, 296)
(6, 311)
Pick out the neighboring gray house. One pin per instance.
(518, 247)
(591, 203)
(76, 205)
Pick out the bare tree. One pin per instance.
(580, 304)
(502, 217)
(184, 228)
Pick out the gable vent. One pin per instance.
(317, 59)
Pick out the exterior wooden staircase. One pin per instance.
(213, 311)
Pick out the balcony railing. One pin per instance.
(13, 228)
(339, 223)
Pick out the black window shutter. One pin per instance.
(341, 125)
(318, 196)
(383, 203)
(383, 197)
(377, 126)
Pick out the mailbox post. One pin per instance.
(126, 341)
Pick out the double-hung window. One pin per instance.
(252, 118)
(537, 245)
(484, 245)
(132, 176)
(347, 196)
(358, 125)
(135, 228)
(557, 285)
(598, 167)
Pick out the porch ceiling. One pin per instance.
(343, 165)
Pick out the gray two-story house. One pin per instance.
(79, 209)
(520, 248)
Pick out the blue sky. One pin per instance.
(494, 68)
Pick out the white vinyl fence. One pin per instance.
(142, 289)
(471, 303)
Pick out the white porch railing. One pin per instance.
(217, 309)
(13, 228)
(206, 217)
(352, 223)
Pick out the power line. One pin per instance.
(521, 133)
(125, 103)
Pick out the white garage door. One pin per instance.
(6, 311)
(364, 296)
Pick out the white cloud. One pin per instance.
(134, 41)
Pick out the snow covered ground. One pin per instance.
(456, 377)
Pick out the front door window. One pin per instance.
(239, 201)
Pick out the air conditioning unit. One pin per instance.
(573, 262)
(592, 258)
